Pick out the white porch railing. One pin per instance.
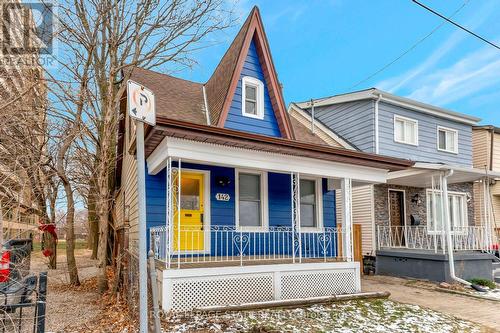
(469, 238)
(227, 245)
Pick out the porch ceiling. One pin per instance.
(421, 175)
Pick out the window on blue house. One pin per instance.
(250, 203)
(252, 97)
(405, 130)
(310, 203)
(447, 140)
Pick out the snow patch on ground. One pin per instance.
(490, 294)
(350, 316)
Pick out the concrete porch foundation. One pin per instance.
(421, 264)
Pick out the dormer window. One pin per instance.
(252, 97)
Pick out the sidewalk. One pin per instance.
(484, 312)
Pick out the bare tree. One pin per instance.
(128, 34)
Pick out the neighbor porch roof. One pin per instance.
(420, 174)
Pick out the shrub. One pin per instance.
(483, 282)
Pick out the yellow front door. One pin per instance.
(188, 232)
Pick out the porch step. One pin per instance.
(495, 265)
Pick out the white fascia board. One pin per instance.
(256, 269)
(344, 98)
(422, 168)
(213, 154)
(395, 100)
(319, 125)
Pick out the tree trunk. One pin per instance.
(93, 220)
(70, 236)
(102, 204)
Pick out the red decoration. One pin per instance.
(47, 252)
(50, 228)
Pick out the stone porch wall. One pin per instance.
(381, 202)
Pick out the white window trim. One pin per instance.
(447, 129)
(248, 80)
(406, 119)
(465, 211)
(319, 205)
(263, 200)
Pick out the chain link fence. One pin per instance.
(130, 290)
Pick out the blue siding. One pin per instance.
(156, 198)
(354, 121)
(426, 151)
(329, 207)
(280, 203)
(223, 212)
(235, 120)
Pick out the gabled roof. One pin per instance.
(221, 87)
(296, 113)
(217, 87)
(374, 93)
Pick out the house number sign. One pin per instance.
(222, 197)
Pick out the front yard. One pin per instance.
(83, 310)
(350, 316)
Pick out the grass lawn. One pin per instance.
(61, 245)
(350, 316)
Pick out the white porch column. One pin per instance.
(486, 223)
(295, 198)
(347, 218)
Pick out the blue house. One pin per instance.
(241, 198)
(428, 213)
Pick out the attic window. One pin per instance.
(252, 97)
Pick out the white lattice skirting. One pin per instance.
(187, 289)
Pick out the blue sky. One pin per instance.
(322, 48)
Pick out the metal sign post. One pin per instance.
(141, 107)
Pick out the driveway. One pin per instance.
(484, 312)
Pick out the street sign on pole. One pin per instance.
(141, 107)
(141, 103)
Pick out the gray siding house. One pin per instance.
(405, 218)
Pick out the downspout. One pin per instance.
(312, 116)
(376, 124)
(492, 146)
(449, 240)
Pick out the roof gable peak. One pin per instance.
(222, 84)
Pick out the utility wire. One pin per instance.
(456, 24)
(414, 46)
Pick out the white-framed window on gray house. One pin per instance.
(405, 130)
(252, 97)
(447, 139)
(310, 204)
(251, 198)
(457, 203)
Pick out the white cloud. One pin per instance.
(474, 72)
(396, 83)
